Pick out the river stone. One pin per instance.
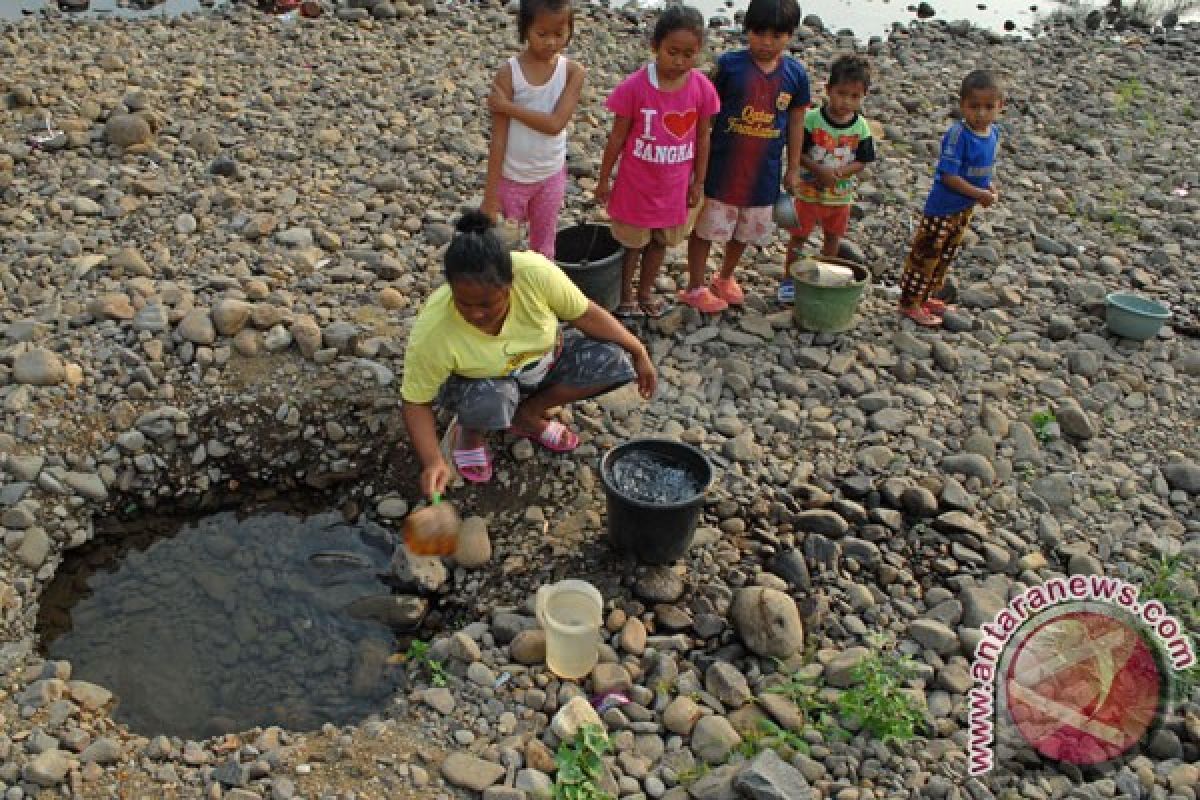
(34, 548)
(197, 327)
(419, 573)
(681, 714)
(470, 772)
(89, 695)
(769, 777)
(839, 672)
(980, 605)
(307, 335)
(1183, 476)
(972, 465)
(713, 738)
(474, 547)
(960, 523)
(933, 635)
(576, 713)
(826, 523)
(528, 647)
(727, 684)
(48, 768)
(659, 585)
(39, 367)
(768, 622)
(230, 315)
(633, 636)
(105, 750)
(126, 130)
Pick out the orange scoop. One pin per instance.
(433, 530)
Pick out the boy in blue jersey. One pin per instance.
(963, 179)
(764, 95)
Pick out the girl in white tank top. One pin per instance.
(533, 98)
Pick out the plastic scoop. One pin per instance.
(433, 530)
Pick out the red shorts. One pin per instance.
(834, 220)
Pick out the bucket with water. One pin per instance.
(591, 257)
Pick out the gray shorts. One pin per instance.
(490, 403)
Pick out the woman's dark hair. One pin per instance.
(529, 9)
(778, 16)
(677, 18)
(850, 69)
(476, 253)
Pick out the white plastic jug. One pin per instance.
(570, 612)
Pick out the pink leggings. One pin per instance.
(538, 204)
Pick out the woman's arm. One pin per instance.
(422, 430)
(599, 324)
(616, 141)
(549, 123)
(497, 147)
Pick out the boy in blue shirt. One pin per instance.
(963, 179)
(764, 95)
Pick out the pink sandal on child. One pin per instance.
(703, 300)
(728, 290)
(555, 437)
(474, 464)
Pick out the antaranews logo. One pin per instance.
(1076, 668)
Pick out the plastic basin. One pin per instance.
(655, 533)
(1132, 316)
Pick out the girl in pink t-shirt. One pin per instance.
(661, 135)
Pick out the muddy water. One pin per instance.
(227, 624)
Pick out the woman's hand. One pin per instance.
(647, 375)
(434, 478)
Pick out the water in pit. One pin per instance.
(654, 478)
(228, 624)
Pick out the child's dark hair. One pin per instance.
(529, 9)
(781, 16)
(980, 80)
(850, 68)
(476, 253)
(677, 18)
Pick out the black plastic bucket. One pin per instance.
(656, 533)
(591, 257)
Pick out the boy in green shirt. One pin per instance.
(837, 146)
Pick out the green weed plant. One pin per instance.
(580, 765)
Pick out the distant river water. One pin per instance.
(865, 17)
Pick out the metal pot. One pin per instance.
(785, 211)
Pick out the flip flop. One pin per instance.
(628, 311)
(555, 437)
(920, 316)
(655, 308)
(935, 306)
(474, 464)
(703, 300)
(728, 290)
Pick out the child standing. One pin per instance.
(532, 100)
(963, 178)
(661, 135)
(764, 93)
(837, 146)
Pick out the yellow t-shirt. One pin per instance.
(442, 343)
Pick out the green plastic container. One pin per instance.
(830, 309)
(1132, 316)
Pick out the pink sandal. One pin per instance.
(703, 300)
(555, 437)
(474, 464)
(728, 290)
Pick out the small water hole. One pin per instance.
(232, 621)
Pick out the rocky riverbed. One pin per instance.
(215, 231)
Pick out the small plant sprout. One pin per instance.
(580, 765)
(878, 701)
(418, 656)
(1044, 425)
(1172, 581)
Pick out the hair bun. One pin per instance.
(474, 222)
